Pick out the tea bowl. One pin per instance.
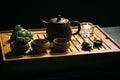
(19, 46)
(60, 44)
(40, 45)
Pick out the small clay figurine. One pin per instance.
(86, 45)
(97, 42)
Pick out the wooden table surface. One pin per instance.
(114, 32)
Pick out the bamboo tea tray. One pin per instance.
(108, 46)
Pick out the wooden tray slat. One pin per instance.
(108, 46)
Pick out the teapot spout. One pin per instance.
(44, 23)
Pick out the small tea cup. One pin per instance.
(19, 46)
(40, 45)
(60, 44)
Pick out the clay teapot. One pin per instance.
(60, 27)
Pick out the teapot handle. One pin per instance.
(76, 23)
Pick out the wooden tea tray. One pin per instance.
(108, 46)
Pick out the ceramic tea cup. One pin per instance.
(40, 45)
(60, 44)
(19, 46)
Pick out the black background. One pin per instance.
(29, 13)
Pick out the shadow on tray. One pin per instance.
(11, 54)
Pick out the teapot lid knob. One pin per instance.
(59, 18)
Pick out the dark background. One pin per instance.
(29, 13)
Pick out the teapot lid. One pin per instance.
(59, 20)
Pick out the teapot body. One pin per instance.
(58, 30)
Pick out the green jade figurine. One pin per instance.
(19, 33)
